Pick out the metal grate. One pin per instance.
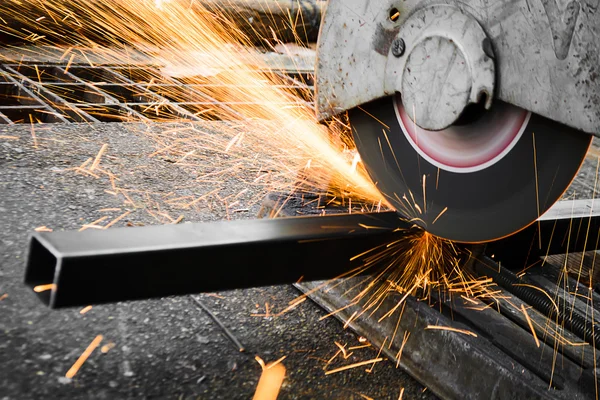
(118, 93)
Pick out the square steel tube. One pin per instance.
(101, 266)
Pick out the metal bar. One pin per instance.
(568, 226)
(191, 91)
(160, 99)
(107, 95)
(136, 263)
(529, 291)
(55, 75)
(51, 101)
(517, 342)
(510, 307)
(28, 92)
(555, 273)
(5, 118)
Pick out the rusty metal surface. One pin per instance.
(546, 56)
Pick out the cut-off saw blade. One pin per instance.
(475, 182)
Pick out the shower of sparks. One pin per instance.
(416, 263)
(195, 45)
(270, 131)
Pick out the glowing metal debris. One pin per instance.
(84, 356)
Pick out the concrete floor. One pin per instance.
(165, 348)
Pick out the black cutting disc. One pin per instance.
(477, 181)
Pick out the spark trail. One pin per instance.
(191, 42)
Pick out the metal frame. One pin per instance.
(113, 93)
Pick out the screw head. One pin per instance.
(398, 47)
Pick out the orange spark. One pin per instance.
(359, 347)
(399, 355)
(69, 63)
(93, 224)
(270, 381)
(85, 309)
(43, 288)
(449, 328)
(98, 157)
(84, 356)
(114, 221)
(401, 394)
(343, 350)
(439, 215)
(66, 53)
(33, 135)
(537, 342)
(378, 354)
(107, 347)
(356, 365)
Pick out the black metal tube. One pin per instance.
(119, 264)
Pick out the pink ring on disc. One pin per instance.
(467, 148)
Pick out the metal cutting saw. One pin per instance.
(472, 118)
(479, 112)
